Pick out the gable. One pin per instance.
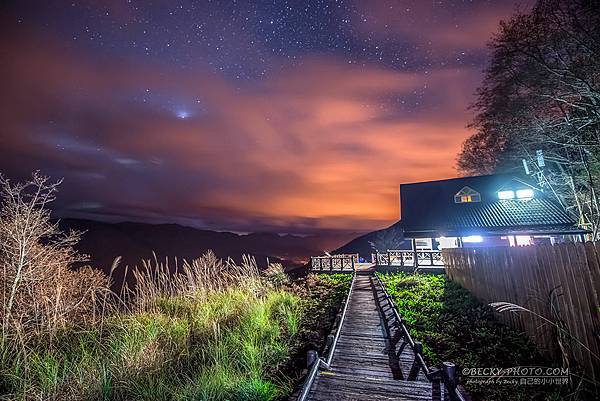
(467, 195)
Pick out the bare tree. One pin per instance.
(39, 290)
(542, 91)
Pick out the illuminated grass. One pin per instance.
(225, 347)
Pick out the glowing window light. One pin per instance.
(525, 193)
(472, 238)
(506, 194)
(523, 240)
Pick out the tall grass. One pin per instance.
(183, 341)
(208, 330)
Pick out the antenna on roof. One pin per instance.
(539, 154)
(541, 178)
(526, 167)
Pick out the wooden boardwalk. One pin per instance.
(365, 364)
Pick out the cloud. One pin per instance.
(453, 33)
(320, 145)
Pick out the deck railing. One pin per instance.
(446, 375)
(394, 257)
(343, 262)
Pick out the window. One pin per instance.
(467, 195)
(525, 193)
(507, 194)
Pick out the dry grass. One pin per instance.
(197, 279)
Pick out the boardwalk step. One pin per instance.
(340, 386)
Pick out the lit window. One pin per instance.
(467, 195)
(523, 240)
(506, 194)
(473, 238)
(519, 240)
(525, 193)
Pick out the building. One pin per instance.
(485, 210)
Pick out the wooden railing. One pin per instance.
(408, 258)
(445, 376)
(343, 262)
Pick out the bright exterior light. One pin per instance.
(525, 193)
(446, 242)
(506, 194)
(472, 238)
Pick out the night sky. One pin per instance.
(237, 115)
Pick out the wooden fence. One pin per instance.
(527, 276)
(342, 262)
(393, 257)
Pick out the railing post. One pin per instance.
(414, 370)
(329, 341)
(331, 263)
(353, 263)
(436, 389)
(311, 357)
(450, 374)
(431, 257)
(415, 256)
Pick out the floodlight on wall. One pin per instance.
(525, 193)
(472, 238)
(506, 194)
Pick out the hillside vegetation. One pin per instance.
(213, 330)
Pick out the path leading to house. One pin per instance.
(365, 364)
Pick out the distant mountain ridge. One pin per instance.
(387, 238)
(103, 242)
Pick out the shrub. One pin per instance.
(40, 293)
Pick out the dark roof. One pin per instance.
(428, 209)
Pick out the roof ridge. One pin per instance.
(463, 178)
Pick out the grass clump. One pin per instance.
(222, 345)
(454, 326)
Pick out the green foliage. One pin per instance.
(325, 293)
(321, 296)
(454, 326)
(231, 344)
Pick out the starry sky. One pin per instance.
(284, 116)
